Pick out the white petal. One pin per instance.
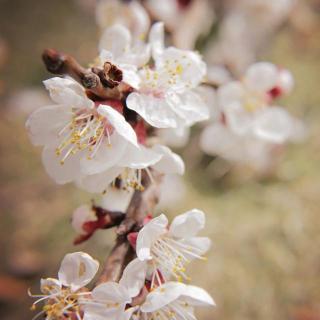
(130, 75)
(188, 224)
(98, 183)
(50, 285)
(273, 124)
(107, 156)
(44, 124)
(175, 137)
(196, 296)
(134, 276)
(111, 292)
(238, 119)
(116, 199)
(261, 76)
(162, 296)
(148, 234)
(230, 93)
(61, 173)
(80, 216)
(119, 123)
(170, 163)
(188, 66)
(192, 108)
(201, 246)
(286, 81)
(68, 92)
(139, 158)
(218, 139)
(77, 270)
(116, 39)
(156, 111)
(156, 39)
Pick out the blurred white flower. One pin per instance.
(168, 249)
(165, 98)
(247, 108)
(247, 27)
(130, 14)
(178, 16)
(61, 296)
(247, 127)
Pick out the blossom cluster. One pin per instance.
(92, 142)
(152, 285)
(248, 120)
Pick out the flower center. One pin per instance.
(86, 131)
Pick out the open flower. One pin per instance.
(129, 171)
(62, 296)
(247, 109)
(168, 249)
(83, 138)
(171, 300)
(108, 300)
(165, 97)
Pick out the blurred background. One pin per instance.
(265, 261)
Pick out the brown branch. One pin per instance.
(142, 204)
(60, 63)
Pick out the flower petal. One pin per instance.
(261, 76)
(139, 158)
(80, 216)
(156, 39)
(192, 108)
(68, 92)
(196, 296)
(273, 124)
(148, 234)
(188, 224)
(98, 183)
(170, 163)
(229, 94)
(119, 123)
(77, 270)
(61, 173)
(116, 199)
(106, 157)
(156, 111)
(44, 124)
(116, 39)
(50, 286)
(162, 296)
(111, 292)
(134, 276)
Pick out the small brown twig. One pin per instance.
(142, 204)
(60, 63)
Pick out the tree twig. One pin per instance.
(63, 64)
(142, 204)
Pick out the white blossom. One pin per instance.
(61, 296)
(109, 299)
(248, 108)
(131, 14)
(81, 138)
(169, 249)
(178, 17)
(165, 97)
(171, 300)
